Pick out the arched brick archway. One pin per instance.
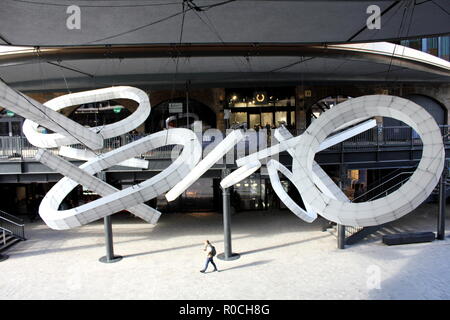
(196, 111)
(433, 106)
(209, 97)
(213, 98)
(439, 94)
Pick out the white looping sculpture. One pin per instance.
(319, 193)
(273, 167)
(54, 140)
(69, 132)
(400, 202)
(123, 126)
(330, 204)
(114, 200)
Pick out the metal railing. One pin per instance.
(384, 178)
(351, 231)
(381, 190)
(12, 225)
(378, 137)
(391, 188)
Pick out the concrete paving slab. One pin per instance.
(282, 257)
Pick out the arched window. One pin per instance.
(99, 113)
(325, 104)
(167, 115)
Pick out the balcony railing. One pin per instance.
(18, 148)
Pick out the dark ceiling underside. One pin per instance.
(43, 22)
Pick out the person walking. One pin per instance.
(210, 253)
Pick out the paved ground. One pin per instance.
(282, 258)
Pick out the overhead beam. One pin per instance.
(382, 52)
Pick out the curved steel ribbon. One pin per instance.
(113, 200)
(319, 193)
(315, 188)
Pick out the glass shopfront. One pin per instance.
(262, 107)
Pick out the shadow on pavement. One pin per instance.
(283, 245)
(256, 263)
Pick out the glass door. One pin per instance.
(280, 118)
(267, 118)
(255, 120)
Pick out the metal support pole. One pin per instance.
(442, 203)
(341, 236)
(109, 258)
(187, 105)
(340, 227)
(228, 252)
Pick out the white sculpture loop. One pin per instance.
(236, 176)
(400, 202)
(273, 167)
(317, 192)
(114, 200)
(123, 126)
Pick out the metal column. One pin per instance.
(228, 252)
(341, 236)
(187, 105)
(110, 257)
(341, 228)
(442, 205)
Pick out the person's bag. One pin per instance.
(213, 251)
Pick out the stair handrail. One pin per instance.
(390, 179)
(9, 217)
(386, 191)
(389, 175)
(6, 229)
(15, 223)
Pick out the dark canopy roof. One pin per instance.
(43, 22)
(153, 66)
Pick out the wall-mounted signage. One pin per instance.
(176, 107)
(260, 97)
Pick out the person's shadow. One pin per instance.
(243, 265)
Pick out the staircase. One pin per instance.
(382, 188)
(388, 185)
(12, 230)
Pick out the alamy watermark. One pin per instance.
(374, 20)
(252, 142)
(73, 21)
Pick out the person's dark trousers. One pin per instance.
(208, 260)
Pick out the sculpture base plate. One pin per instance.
(3, 257)
(115, 259)
(234, 256)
